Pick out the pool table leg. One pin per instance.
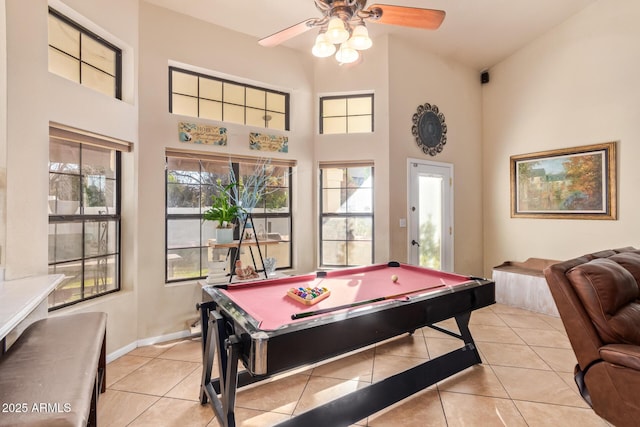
(359, 404)
(208, 354)
(228, 349)
(462, 321)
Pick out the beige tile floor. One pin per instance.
(525, 380)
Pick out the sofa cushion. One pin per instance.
(630, 261)
(609, 293)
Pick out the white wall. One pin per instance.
(369, 76)
(417, 77)
(35, 97)
(152, 38)
(3, 133)
(576, 85)
(169, 37)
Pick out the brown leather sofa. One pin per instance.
(598, 298)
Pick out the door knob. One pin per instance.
(414, 243)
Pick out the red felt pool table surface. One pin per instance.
(267, 300)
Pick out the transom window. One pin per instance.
(79, 55)
(346, 114)
(346, 223)
(198, 95)
(191, 180)
(84, 214)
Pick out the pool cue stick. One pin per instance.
(359, 303)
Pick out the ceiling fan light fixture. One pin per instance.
(336, 31)
(346, 54)
(360, 38)
(322, 48)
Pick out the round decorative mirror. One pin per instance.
(429, 129)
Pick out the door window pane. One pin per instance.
(430, 220)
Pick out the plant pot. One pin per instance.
(224, 235)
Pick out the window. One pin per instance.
(346, 223)
(83, 57)
(84, 214)
(346, 114)
(199, 95)
(190, 182)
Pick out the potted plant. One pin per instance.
(224, 213)
(238, 198)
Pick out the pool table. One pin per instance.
(270, 332)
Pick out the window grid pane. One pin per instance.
(199, 95)
(184, 84)
(256, 98)
(185, 105)
(77, 54)
(84, 221)
(190, 185)
(211, 110)
(98, 55)
(346, 230)
(209, 89)
(346, 114)
(64, 37)
(98, 80)
(64, 65)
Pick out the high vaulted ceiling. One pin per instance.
(477, 33)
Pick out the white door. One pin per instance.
(430, 214)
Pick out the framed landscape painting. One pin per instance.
(571, 183)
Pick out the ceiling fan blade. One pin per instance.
(286, 34)
(428, 19)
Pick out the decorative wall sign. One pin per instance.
(264, 142)
(573, 183)
(429, 129)
(202, 134)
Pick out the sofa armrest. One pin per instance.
(626, 355)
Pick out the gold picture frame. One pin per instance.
(568, 183)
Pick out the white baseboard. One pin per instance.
(147, 341)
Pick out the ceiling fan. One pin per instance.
(343, 23)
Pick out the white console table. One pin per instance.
(23, 301)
